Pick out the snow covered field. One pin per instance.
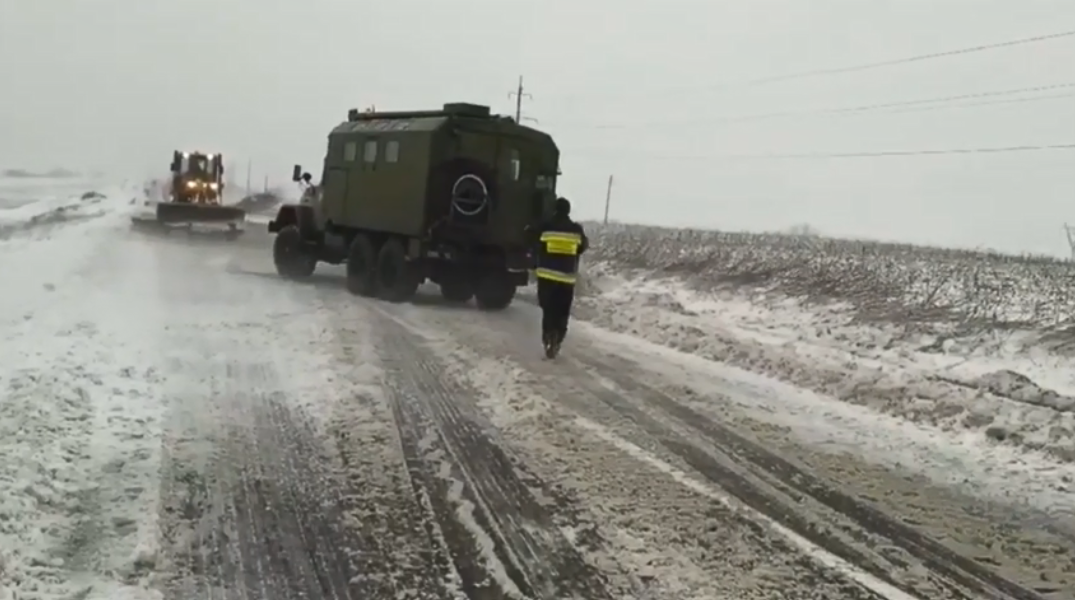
(178, 422)
(969, 342)
(29, 206)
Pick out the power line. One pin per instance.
(761, 81)
(911, 59)
(989, 103)
(922, 104)
(843, 155)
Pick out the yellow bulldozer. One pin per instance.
(195, 195)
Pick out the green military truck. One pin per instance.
(440, 195)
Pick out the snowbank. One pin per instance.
(17, 191)
(39, 209)
(51, 174)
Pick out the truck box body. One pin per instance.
(395, 173)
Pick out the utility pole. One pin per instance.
(518, 95)
(249, 164)
(608, 198)
(1070, 231)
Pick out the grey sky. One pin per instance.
(118, 84)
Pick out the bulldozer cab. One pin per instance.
(199, 167)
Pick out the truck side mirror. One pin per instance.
(176, 161)
(296, 173)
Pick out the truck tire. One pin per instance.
(457, 290)
(397, 278)
(362, 267)
(288, 255)
(494, 291)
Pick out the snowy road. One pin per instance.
(184, 424)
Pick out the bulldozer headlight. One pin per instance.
(213, 186)
(192, 184)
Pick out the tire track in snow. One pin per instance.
(965, 572)
(951, 574)
(804, 575)
(1004, 551)
(246, 510)
(394, 548)
(958, 575)
(493, 525)
(377, 491)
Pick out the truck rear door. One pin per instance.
(524, 179)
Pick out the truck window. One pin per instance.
(516, 165)
(350, 151)
(369, 153)
(391, 151)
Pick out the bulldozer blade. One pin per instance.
(182, 212)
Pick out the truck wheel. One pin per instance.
(457, 290)
(494, 292)
(287, 253)
(397, 279)
(361, 267)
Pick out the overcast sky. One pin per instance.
(626, 87)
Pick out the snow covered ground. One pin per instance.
(1017, 396)
(178, 422)
(111, 360)
(17, 191)
(30, 207)
(79, 409)
(1009, 381)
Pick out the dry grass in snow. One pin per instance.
(955, 338)
(953, 292)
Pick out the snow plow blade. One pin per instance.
(183, 212)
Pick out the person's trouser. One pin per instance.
(555, 299)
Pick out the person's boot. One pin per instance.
(554, 347)
(546, 342)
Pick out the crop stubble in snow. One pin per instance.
(874, 300)
(951, 292)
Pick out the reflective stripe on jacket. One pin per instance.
(558, 255)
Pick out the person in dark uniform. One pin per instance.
(560, 242)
